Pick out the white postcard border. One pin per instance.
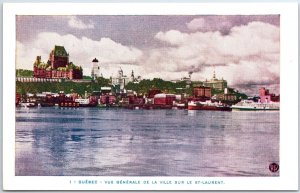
(288, 179)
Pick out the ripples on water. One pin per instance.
(118, 142)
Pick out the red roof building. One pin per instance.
(58, 66)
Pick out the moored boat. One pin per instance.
(180, 106)
(69, 104)
(45, 104)
(86, 103)
(208, 105)
(28, 104)
(248, 105)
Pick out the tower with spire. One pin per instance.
(215, 82)
(132, 76)
(120, 73)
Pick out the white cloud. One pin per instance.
(75, 22)
(210, 23)
(248, 54)
(173, 37)
(81, 50)
(196, 24)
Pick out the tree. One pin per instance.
(24, 73)
(102, 81)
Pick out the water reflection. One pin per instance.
(90, 141)
(191, 112)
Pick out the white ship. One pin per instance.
(28, 104)
(248, 105)
(85, 103)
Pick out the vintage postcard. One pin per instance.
(150, 96)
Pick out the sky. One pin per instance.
(242, 49)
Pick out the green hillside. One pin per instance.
(24, 73)
(67, 87)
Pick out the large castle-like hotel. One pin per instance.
(58, 66)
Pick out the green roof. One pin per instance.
(60, 51)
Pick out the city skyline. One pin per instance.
(244, 50)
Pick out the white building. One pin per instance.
(121, 79)
(135, 79)
(216, 83)
(95, 69)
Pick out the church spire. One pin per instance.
(132, 76)
(214, 74)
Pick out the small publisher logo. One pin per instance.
(273, 167)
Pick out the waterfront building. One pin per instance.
(136, 100)
(164, 99)
(275, 98)
(216, 83)
(95, 69)
(105, 90)
(107, 99)
(58, 66)
(230, 97)
(226, 97)
(266, 97)
(202, 92)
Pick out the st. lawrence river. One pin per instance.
(53, 141)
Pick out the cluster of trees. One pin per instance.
(141, 88)
(166, 86)
(173, 88)
(24, 73)
(55, 87)
(68, 87)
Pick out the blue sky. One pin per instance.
(244, 50)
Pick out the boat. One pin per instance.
(249, 105)
(28, 104)
(69, 104)
(45, 104)
(208, 105)
(180, 106)
(86, 103)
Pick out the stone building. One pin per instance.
(58, 66)
(58, 57)
(202, 92)
(216, 83)
(121, 80)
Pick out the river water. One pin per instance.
(118, 142)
